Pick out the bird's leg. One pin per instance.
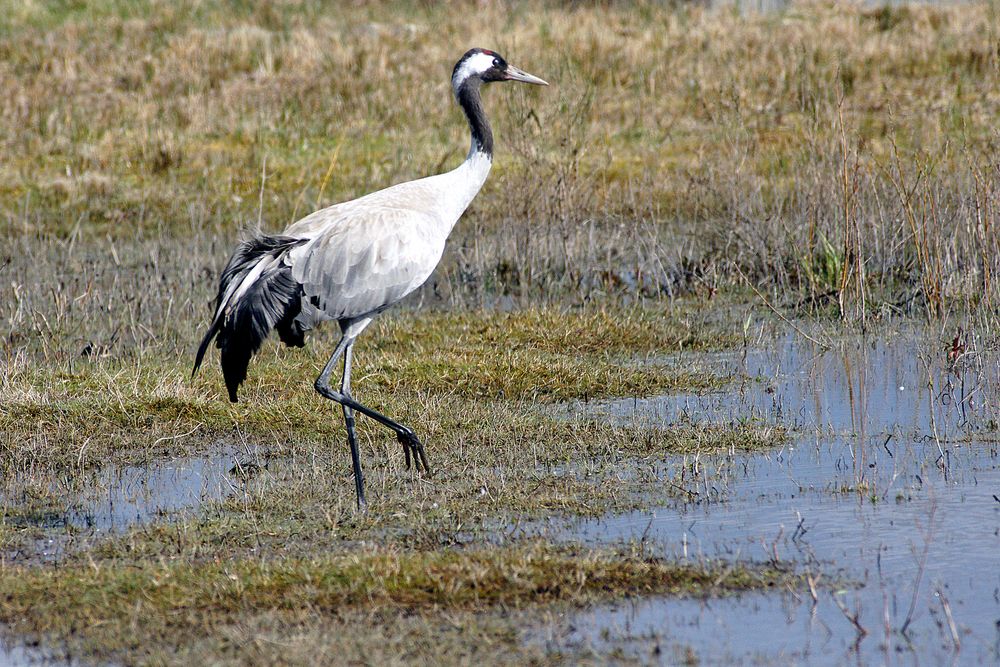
(344, 347)
(405, 435)
(352, 438)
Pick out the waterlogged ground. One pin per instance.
(676, 141)
(837, 500)
(887, 496)
(146, 520)
(68, 512)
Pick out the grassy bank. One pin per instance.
(248, 611)
(845, 153)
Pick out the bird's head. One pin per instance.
(485, 66)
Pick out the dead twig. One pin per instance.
(781, 316)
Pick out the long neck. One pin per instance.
(479, 126)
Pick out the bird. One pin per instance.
(349, 262)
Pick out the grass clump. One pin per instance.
(158, 607)
(132, 407)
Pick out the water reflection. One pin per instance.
(891, 482)
(79, 506)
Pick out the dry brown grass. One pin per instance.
(828, 148)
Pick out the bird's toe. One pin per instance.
(412, 447)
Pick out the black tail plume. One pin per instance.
(246, 313)
(212, 330)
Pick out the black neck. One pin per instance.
(468, 99)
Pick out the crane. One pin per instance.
(350, 261)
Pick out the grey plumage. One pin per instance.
(351, 261)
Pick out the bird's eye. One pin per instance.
(496, 62)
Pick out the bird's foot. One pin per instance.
(412, 445)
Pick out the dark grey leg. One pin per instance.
(406, 436)
(343, 348)
(352, 438)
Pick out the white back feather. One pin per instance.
(366, 254)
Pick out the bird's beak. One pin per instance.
(514, 74)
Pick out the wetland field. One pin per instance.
(709, 373)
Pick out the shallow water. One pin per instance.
(910, 385)
(888, 491)
(115, 498)
(21, 656)
(86, 506)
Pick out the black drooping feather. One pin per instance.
(272, 302)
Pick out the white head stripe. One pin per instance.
(476, 64)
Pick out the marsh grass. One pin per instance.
(129, 400)
(840, 160)
(474, 383)
(185, 604)
(828, 151)
(95, 376)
